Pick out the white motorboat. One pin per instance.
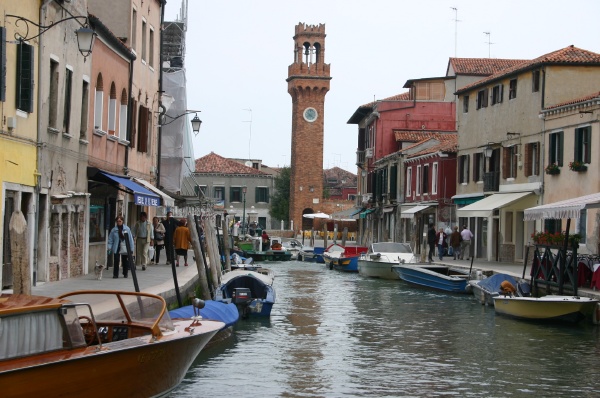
(378, 261)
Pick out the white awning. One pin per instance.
(410, 212)
(568, 208)
(166, 199)
(486, 206)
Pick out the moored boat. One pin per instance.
(434, 276)
(332, 254)
(126, 337)
(484, 290)
(252, 292)
(570, 309)
(377, 262)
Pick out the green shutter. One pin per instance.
(561, 140)
(266, 190)
(577, 154)
(2, 64)
(25, 82)
(588, 139)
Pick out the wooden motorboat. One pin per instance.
(95, 344)
(439, 277)
(570, 309)
(377, 262)
(484, 290)
(332, 254)
(343, 258)
(251, 291)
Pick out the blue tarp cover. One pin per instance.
(492, 284)
(213, 310)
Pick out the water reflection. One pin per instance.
(333, 334)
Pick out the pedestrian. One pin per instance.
(266, 241)
(159, 239)
(143, 232)
(442, 244)
(465, 245)
(455, 242)
(431, 242)
(170, 225)
(117, 246)
(181, 240)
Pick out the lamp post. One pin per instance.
(244, 188)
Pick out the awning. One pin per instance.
(486, 206)
(410, 212)
(363, 214)
(141, 195)
(388, 209)
(357, 211)
(166, 199)
(568, 208)
(467, 198)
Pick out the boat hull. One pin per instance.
(547, 308)
(432, 277)
(377, 269)
(346, 264)
(155, 367)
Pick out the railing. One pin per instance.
(554, 269)
(491, 181)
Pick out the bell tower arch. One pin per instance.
(308, 83)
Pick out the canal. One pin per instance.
(334, 334)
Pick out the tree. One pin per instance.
(280, 201)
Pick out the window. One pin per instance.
(418, 181)
(67, 104)
(582, 225)
(151, 48)
(262, 195)
(434, 178)
(200, 190)
(143, 41)
(583, 140)
(98, 103)
(143, 125)
(466, 104)
(97, 220)
(53, 95)
(555, 154)
(25, 77)
(463, 172)
(532, 159)
(262, 222)
(235, 194)
(85, 95)
(123, 116)
(3, 44)
(134, 29)
(497, 92)
(482, 98)
(512, 90)
(409, 181)
(219, 193)
(535, 81)
(509, 162)
(425, 183)
(508, 226)
(478, 167)
(112, 110)
(553, 226)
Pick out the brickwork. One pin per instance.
(308, 83)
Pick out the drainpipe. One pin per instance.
(160, 91)
(129, 121)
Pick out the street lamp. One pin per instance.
(244, 188)
(196, 122)
(488, 151)
(85, 35)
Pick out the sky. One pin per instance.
(238, 52)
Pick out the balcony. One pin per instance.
(360, 158)
(491, 181)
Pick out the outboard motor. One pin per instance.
(242, 298)
(523, 289)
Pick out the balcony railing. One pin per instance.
(360, 158)
(491, 181)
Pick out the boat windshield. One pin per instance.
(391, 247)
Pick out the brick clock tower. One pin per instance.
(308, 82)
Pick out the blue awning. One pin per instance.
(364, 213)
(141, 195)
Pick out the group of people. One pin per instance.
(169, 234)
(460, 242)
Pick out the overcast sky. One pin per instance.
(238, 52)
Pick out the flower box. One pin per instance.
(577, 166)
(553, 172)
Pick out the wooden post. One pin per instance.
(325, 235)
(19, 253)
(344, 236)
(213, 252)
(226, 248)
(205, 291)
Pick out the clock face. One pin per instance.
(310, 114)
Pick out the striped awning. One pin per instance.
(568, 208)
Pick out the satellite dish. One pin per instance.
(248, 163)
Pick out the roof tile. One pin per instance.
(213, 163)
(482, 66)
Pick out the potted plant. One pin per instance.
(552, 169)
(555, 239)
(577, 166)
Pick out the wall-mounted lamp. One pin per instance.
(488, 151)
(85, 35)
(582, 112)
(510, 135)
(196, 122)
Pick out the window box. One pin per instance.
(577, 166)
(553, 169)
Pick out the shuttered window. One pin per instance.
(2, 63)
(555, 154)
(67, 103)
(25, 78)
(532, 159)
(509, 162)
(235, 194)
(262, 195)
(143, 130)
(133, 130)
(583, 141)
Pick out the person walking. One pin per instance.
(440, 239)
(170, 226)
(465, 245)
(431, 241)
(117, 246)
(181, 240)
(143, 232)
(159, 239)
(455, 242)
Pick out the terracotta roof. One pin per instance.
(420, 135)
(398, 97)
(481, 66)
(213, 163)
(565, 56)
(449, 144)
(337, 177)
(575, 101)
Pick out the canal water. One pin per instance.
(335, 334)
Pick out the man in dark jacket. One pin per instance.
(431, 241)
(170, 227)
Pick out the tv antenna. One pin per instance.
(250, 138)
(489, 43)
(456, 21)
